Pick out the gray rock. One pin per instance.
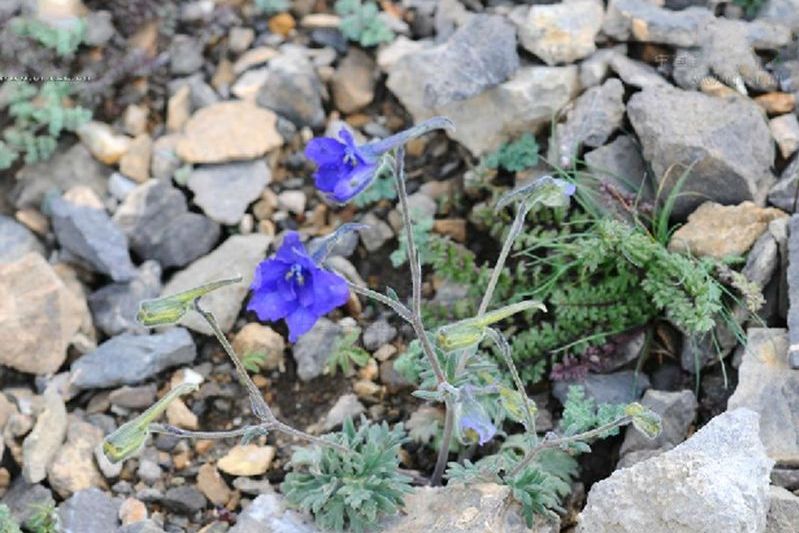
(620, 163)
(527, 102)
(456, 508)
(41, 445)
(480, 55)
(783, 512)
(784, 193)
(636, 73)
(92, 236)
(376, 234)
(140, 397)
(99, 28)
(268, 512)
(596, 114)
(130, 359)
(768, 386)
(345, 246)
(185, 55)
(641, 20)
(185, 499)
(23, 499)
(377, 334)
(561, 33)
(353, 83)
(16, 240)
(119, 186)
(594, 69)
(715, 481)
(312, 349)
(89, 511)
(158, 224)
(619, 387)
(787, 477)
(142, 526)
(114, 306)
(785, 12)
(677, 411)
(148, 470)
(293, 90)
(224, 191)
(793, 290)
(726, 144)
(75, 166)
(347, 406)
(239, 254)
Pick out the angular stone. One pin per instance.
(224, 191)
(247, 460)
(159, 225)
(785, 130)
(783, 512)
(793, 291)
(459, 508)
(377, 334)
(211, 484)
(619, 387)
(347, 406)
(677, 411)
(785, 12)
(596, 114)
(561, 33)
(239, 254)
(715, 481)
(784, 193)
(41, 445)
(720, 231)
(725, 144)
(260, 339)
(478, 56)
(184, 499)
(768, 386)
(312, 349)
(92, 236)
(23, 499)
(73, 468)
(617, 165)
(64, 170)
(636, 73)
(89, 511)
(130, 359)
(140, 397)
(268, 512)
(353, 83)
(114, 307)
(376, 233)
(525, 103)
(135, 164)
(16, 240)
(185, 55)
(776, 103)
(293, 90)
(228, 131)
(39, 316)
(105, 145)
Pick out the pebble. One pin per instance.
(114, 306)
(292, 201)
(185, 499)
(785, 130)
(247, 460)
(129, 359)
(228, 131)
(41, 445)
(134, 120)
(91, 235)
(293, 90)
(185, 55)
(179, 415)
(257, 338)
(30, 287)
(135, 163)
(73, 468)
(89, 511)
(312, 349)
(347, 406)
(776, 103)
(268, 512)
(131, 511)
(178, 109)
(719, 231)
(16, 240)
(353, 83)
(377, 334)
(211, 484)
(224, 191)
(376, 234)
(253, 58)
(451, 227)
(282, 24)
(159, 225)
(239, 254)
(249, 83)
(240, 38)
(105, 145)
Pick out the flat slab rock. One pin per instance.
(463, 509)
(718, 480)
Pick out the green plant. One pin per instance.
(350, 491)
(360, 22)
(381, 189)
(252, 361)
(7, 523)
(271, 7)
(44, 519)
(345, 354)
(750, 7)
(422, 224)
(64, 40)
(514, 156)
(40, 115)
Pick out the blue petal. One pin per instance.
(267, 272)
(328, 176)
(270, 306)
(325, 151)
(330, 291)
(300, 321)
(306, 292)
(291, 248)
(360, 178)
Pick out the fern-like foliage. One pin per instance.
(345, 353)
(39, 116)
(252, 361)
(44, 519)
(361, 23)
(7, 523)
(350, 491)
(514, 156)
(65, 41)
(382, 188)
(271, 7)
(421, 237)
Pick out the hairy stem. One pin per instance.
(504, 349)
(178, 432)
(398, 308)
(557, 442)
(443, 451)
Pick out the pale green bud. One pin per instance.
(470, 331)
(170, 309)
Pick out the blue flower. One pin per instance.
(292, 286)
(345, 169)
(473, 420)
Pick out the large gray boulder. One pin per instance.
(717, 480)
